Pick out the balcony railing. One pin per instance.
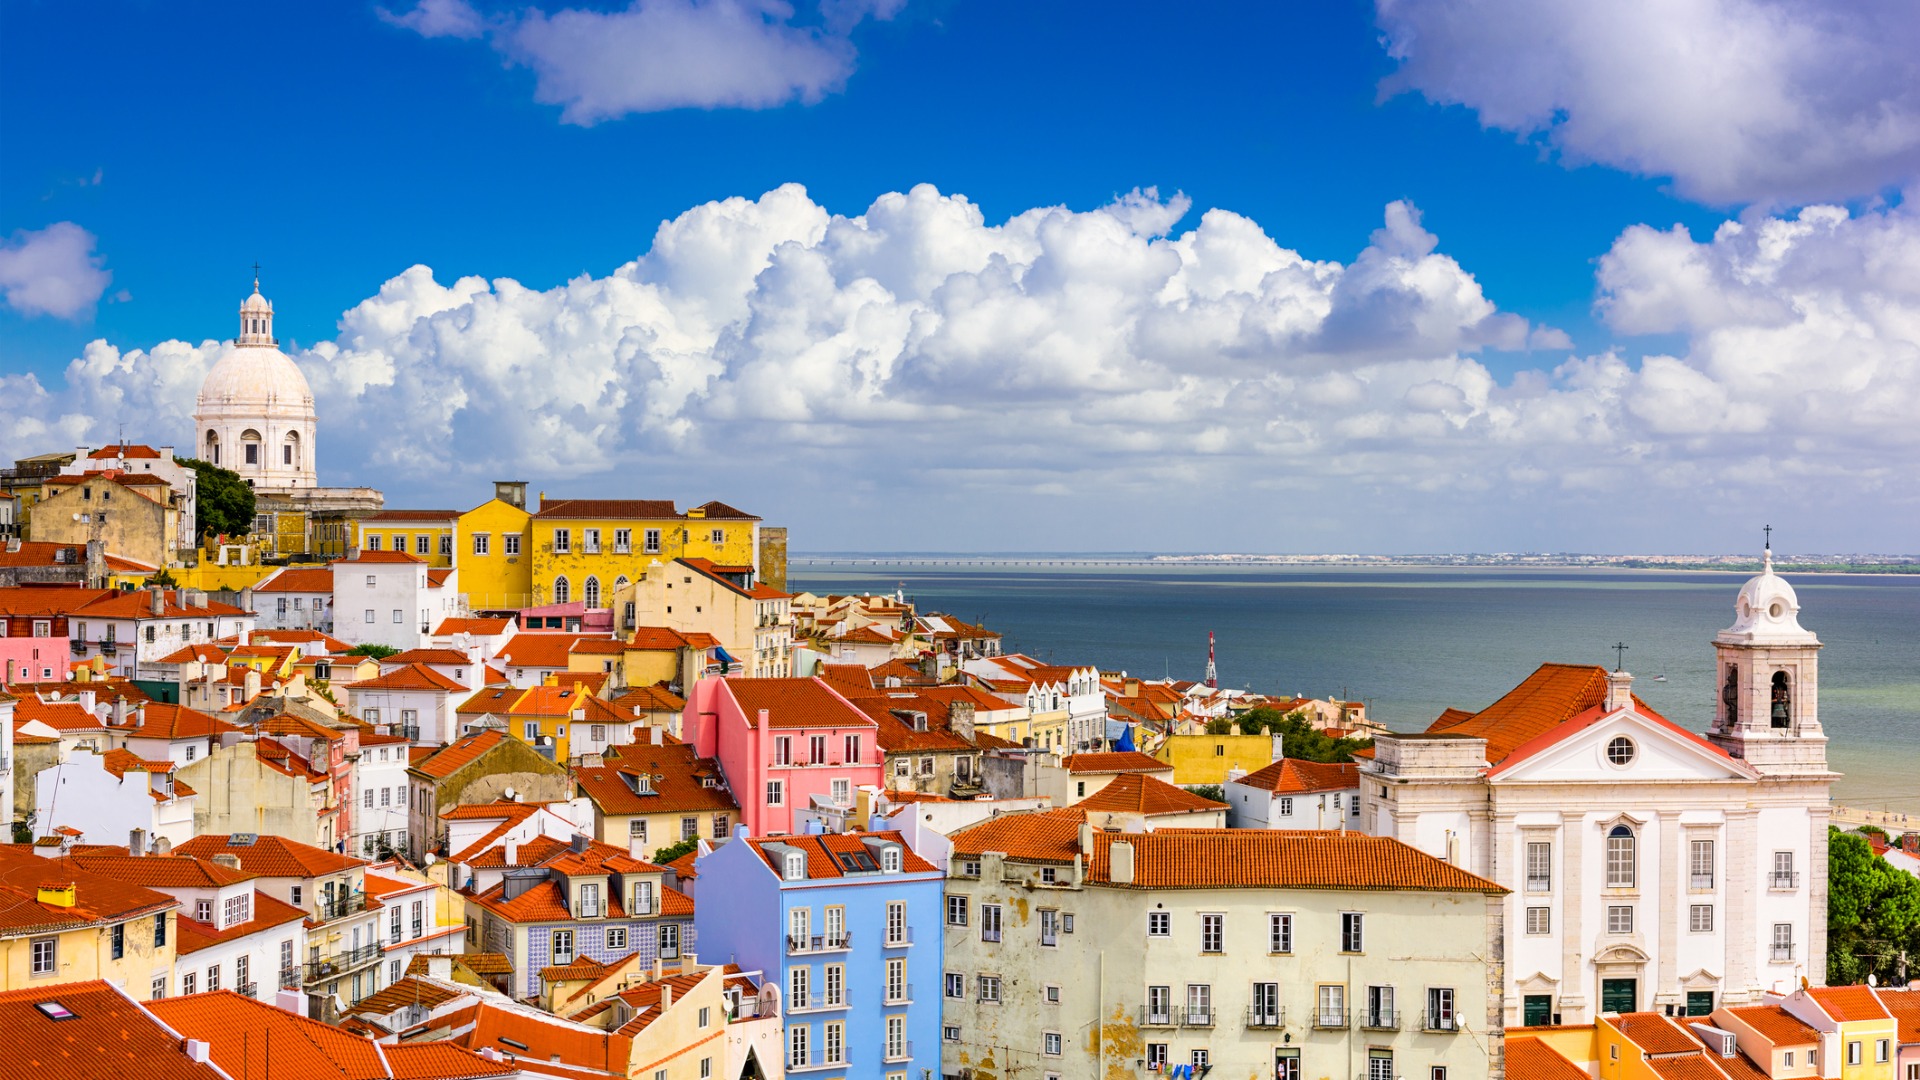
(1330, 1019)
(1540, 884)
(1784, 879)
(900, 995)
(248, 989)
(1197, 1016)
(1702, 882)
(1260, 1016)
(1380, 1020)
(109, 647)
(901, 1052)
(289, 978)
(79, 647)
(1439, 1022)
(340, 906)
(1782, 953)
(897, 939)
(346, 960)
(813, 1003)
(820, 943)
(1157, 1016)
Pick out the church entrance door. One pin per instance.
(1618, 995)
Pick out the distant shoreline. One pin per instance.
(1883, 565)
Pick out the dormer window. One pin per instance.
(795, 866)
(890, 860)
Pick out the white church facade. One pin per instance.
(1650, 868)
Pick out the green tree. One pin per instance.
(673, 851)
(378, 652)
(1220, 726)
(1216, 792)
(1873, 912)
(1298, 737)
(224, 502)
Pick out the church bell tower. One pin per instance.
(1767, 707)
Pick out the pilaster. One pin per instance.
(1573, 971)
(1666, 988)
(1741, 983)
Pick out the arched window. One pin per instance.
(1782, 700)
(1620, 857)
(620, 584)
(213, 447)
(290, 450)
(1730, 695)
(562, 592)
(250, 447)
(590, 592)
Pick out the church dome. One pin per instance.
(255, 376)
(1767, 611)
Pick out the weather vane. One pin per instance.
(1619, 654)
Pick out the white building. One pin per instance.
(1065, 699)
(133, 631)
(255, 411)
(1651, 868)
(414, 701)
(109, 796)
(379, 795)
(412, 921)
(1294, 794)
(296, 598)
(391, 598)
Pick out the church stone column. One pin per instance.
(1741, 982)
(1671, 898)
(1573, 886)
(1817, 856)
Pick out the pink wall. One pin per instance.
(718, 727)
(19, 664)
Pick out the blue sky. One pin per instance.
(341, 144)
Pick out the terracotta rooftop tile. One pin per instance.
(1531, 1059)
(444, 762)
(1849, 1002)
(1291, 776)
(1144, 794)
(675, 779)
(796, 703)
(1121, 761)
(267, 914)
(110, 1037)
(1776, 1025)
(823, 853)
(414, 676)
(271, 856)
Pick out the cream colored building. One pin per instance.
(752, 622)
(1651, 868)
(1076, 952)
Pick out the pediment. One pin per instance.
(1622, 954)
(1537, 983)
(1700, 980)
(1578, 752)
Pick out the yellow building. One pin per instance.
(695, 597)
(491, 550)
(544, 716)
(1853, 1017)
(1207, 759)
(590, 549)
(61, 924)
(427, 535)
(134, 515)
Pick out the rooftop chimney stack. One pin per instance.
(1619, 690)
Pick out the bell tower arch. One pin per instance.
(1767, 711)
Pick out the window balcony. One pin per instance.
(1196, 1016)
(1330, 1019)
(902, 1052)
(1700, 882)
(79, 647)
(900, 940)
(840, 942)
(1783, 880)
(1439, 1022)
(817, 1003)
(109, 647)
(248, 989)
(1783, 954)
(339, 907)
(1262, 1017)
(1380, 1020)
(342, 962)
(904, 996)
(1157, 1016)
(289, 978)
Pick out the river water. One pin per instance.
(1412, 641)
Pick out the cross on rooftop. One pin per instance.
(1619, 654)
(1769, 531)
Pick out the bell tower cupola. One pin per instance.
(256, 319)
(1767, 705)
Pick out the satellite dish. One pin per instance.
(1872, 979)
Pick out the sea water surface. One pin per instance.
(1412, 641)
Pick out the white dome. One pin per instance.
(254, 377)
(1767, 612)
(256, 302)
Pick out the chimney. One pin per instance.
(439, 966)
(766, 718)
(657, 733)
(513, 852)
(86, 700)
(246, 599)
(196, 1050)
(1086, 838)
(137, 842)
(156, 601)
(293, 1001)
(1120, 862)
(140, 717)
(227, 859)
(252, 683)
(960, 720)
(183, 596)
(120, 711)
(666, 997)
(578, 844)
(1619, 690)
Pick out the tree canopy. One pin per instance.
(378, 652)
(1873, 913)
(674, 850)
(223, 501)
(1298, 737)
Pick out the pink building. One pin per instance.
(784, 745)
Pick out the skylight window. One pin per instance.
(53, 1010)
(855, 862)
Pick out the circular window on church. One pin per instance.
(1620, 750)
(1777, 610)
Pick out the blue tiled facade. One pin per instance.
(745, 916)
(590, 940)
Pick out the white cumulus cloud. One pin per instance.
(52, 271)
(1738, 101)
(654, 55)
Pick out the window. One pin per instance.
(397, 617)
(1379, 1008)
(853, 750)
(956, 985)
(1539, 867)
(373, 542)
(1700, 864)
(293, 895)
(423, 544)
(1881, 1048)
(1159, 1004)
(590, 591)
(1159, 924)
(799, 980)
(670, 941)
(776, 792)
(896, 922)
(1213, 933)
(446, 544)
(622, 541)
(956, 911)
(1783, 875)
(189, 983)
(236, 909)
(643, 898)
(1351, 937)
(720, 826)
(481, 541)
(797, 1045)
(1265, 1010)
(46, 956)
(1279, 933)
(896, 980)
(563, 946)
(1782, 941)
(1331, 1004)
(896, 1037)
(890, 860)
(1440, 1015)
(1620, 858)
(159, 988)
(718, 536)
(1539, 920)
(1620, 750)
(160, 925)
(203, 911)
(562, 591)
(835, 1041)
(1201, 1060)
(990, 989)
(1050, 994)
(562, 541)
(1620, 919)
(1052, 1044)
(989, 922)
(1380, 1065)
(213, 978)
(970, 868)
(366, 798)
(950, 1032)
(1049, 927)
(117, 941)
(509, 543)
(1156, 1057)
(652, 538)
(1700, 918)
(689, 828)
(589, 541)
(1199, 1004)
(1853, 1053)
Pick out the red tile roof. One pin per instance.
(271, 856)
(796, 703)
(137, 604)
(1552, 695)
(158, 871)
(110, 1037)
(719, 511)
(1845, 1003)
(253, 1039)
(414, 676)
(162, 721)
(822, 852)
(98, 898)
(437, 517)
(299, 579)
(1776, 1025)
(383, 557)
(267, 914)
(476, 627)
(612, 509)
(443, 763)
(654, 638)
(654, 698)
(1143, 794)
(1905, 1007)
(1120, 761)
(1291, 776)
(1653, 1032)
(539, 650)
(675, 775)
(1531, 1059)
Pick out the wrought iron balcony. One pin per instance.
(1540, 884)
(897, 940)
(340, 906)
(820, 943)
(1157, 1015)
(1380, 1020)
(1330, 1019)
(248, 989)
(1782, 953)
(1440, 1022)
(342, 962)
(1701, 882)
(1784, 879)
(1196, 1016)
(290, 978)
(1260, 1016)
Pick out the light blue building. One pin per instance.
(850, 926)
